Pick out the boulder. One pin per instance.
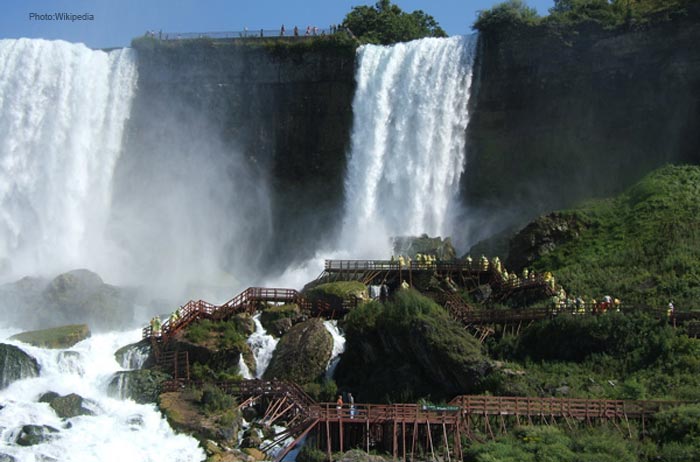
(30, 435)
(66, 406)
(7, 458)
(142, 386)
(135, 355)
(185, 413)
(15, 365)
(277, 320)
(56, 337)
(334, 293)
(407, 349)
(81, 295)
(302, 354)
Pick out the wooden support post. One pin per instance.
(340, 430)
(403, 439)
(328, 439)
(447, 444)
(367, 432)
(394, 441)
(430, 439)
(413, 439)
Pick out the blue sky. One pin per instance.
(117, 21)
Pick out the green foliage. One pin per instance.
(385, 23)
(545, 444)
(214, 400)
(323, 391)
(576, 11)
(570, 13)
(643, 246)
(508, 13)
(309, 453)
(225, 335)
(680, 424)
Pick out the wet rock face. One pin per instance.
(302, 354)
(35, 434)
(541, 237)
(561, 116)
(143, 386)
(66, 406)
(15, 365)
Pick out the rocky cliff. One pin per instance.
(562, 114)
(284, 110)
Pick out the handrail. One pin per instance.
(300, 33)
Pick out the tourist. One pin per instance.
(351, 401)
(339, 403)
(296, 31)
(282, 31)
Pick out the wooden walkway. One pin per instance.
(405, 428)
(247, 301)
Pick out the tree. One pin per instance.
(385, 23)
(511, 12)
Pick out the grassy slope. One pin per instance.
(643, 246)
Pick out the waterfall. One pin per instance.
(338, 346)
(410, 114)
(263, 346)
(63, 109)
(118, 430)
(408, 148)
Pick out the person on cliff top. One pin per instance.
(296, 31)
(282, 30)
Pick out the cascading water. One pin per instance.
(120, 429)
(410, 114)
(408, 148)
(338, 346)
(263, 346)
(63, 109)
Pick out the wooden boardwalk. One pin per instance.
(403, 429)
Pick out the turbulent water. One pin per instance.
(263, 346)
(120, 430)
(63, 109)
(408, 140)
(408, 148)
(338, 346)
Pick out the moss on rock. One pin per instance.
(334, 293)
(302, 354)
(56, 337)
(277, 320)
(406, 349)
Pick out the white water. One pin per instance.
(338, 346)
(63, 109)
(408, 141)
(121, 429)
(263, 346)
(244, 369)
(408, 148)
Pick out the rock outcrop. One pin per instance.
(56, 337)
(142, 386)
(15, 365)
(542, 237)
(302, 354)
(66, 406)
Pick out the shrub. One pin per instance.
(215, 400)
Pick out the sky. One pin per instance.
(116, 22)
